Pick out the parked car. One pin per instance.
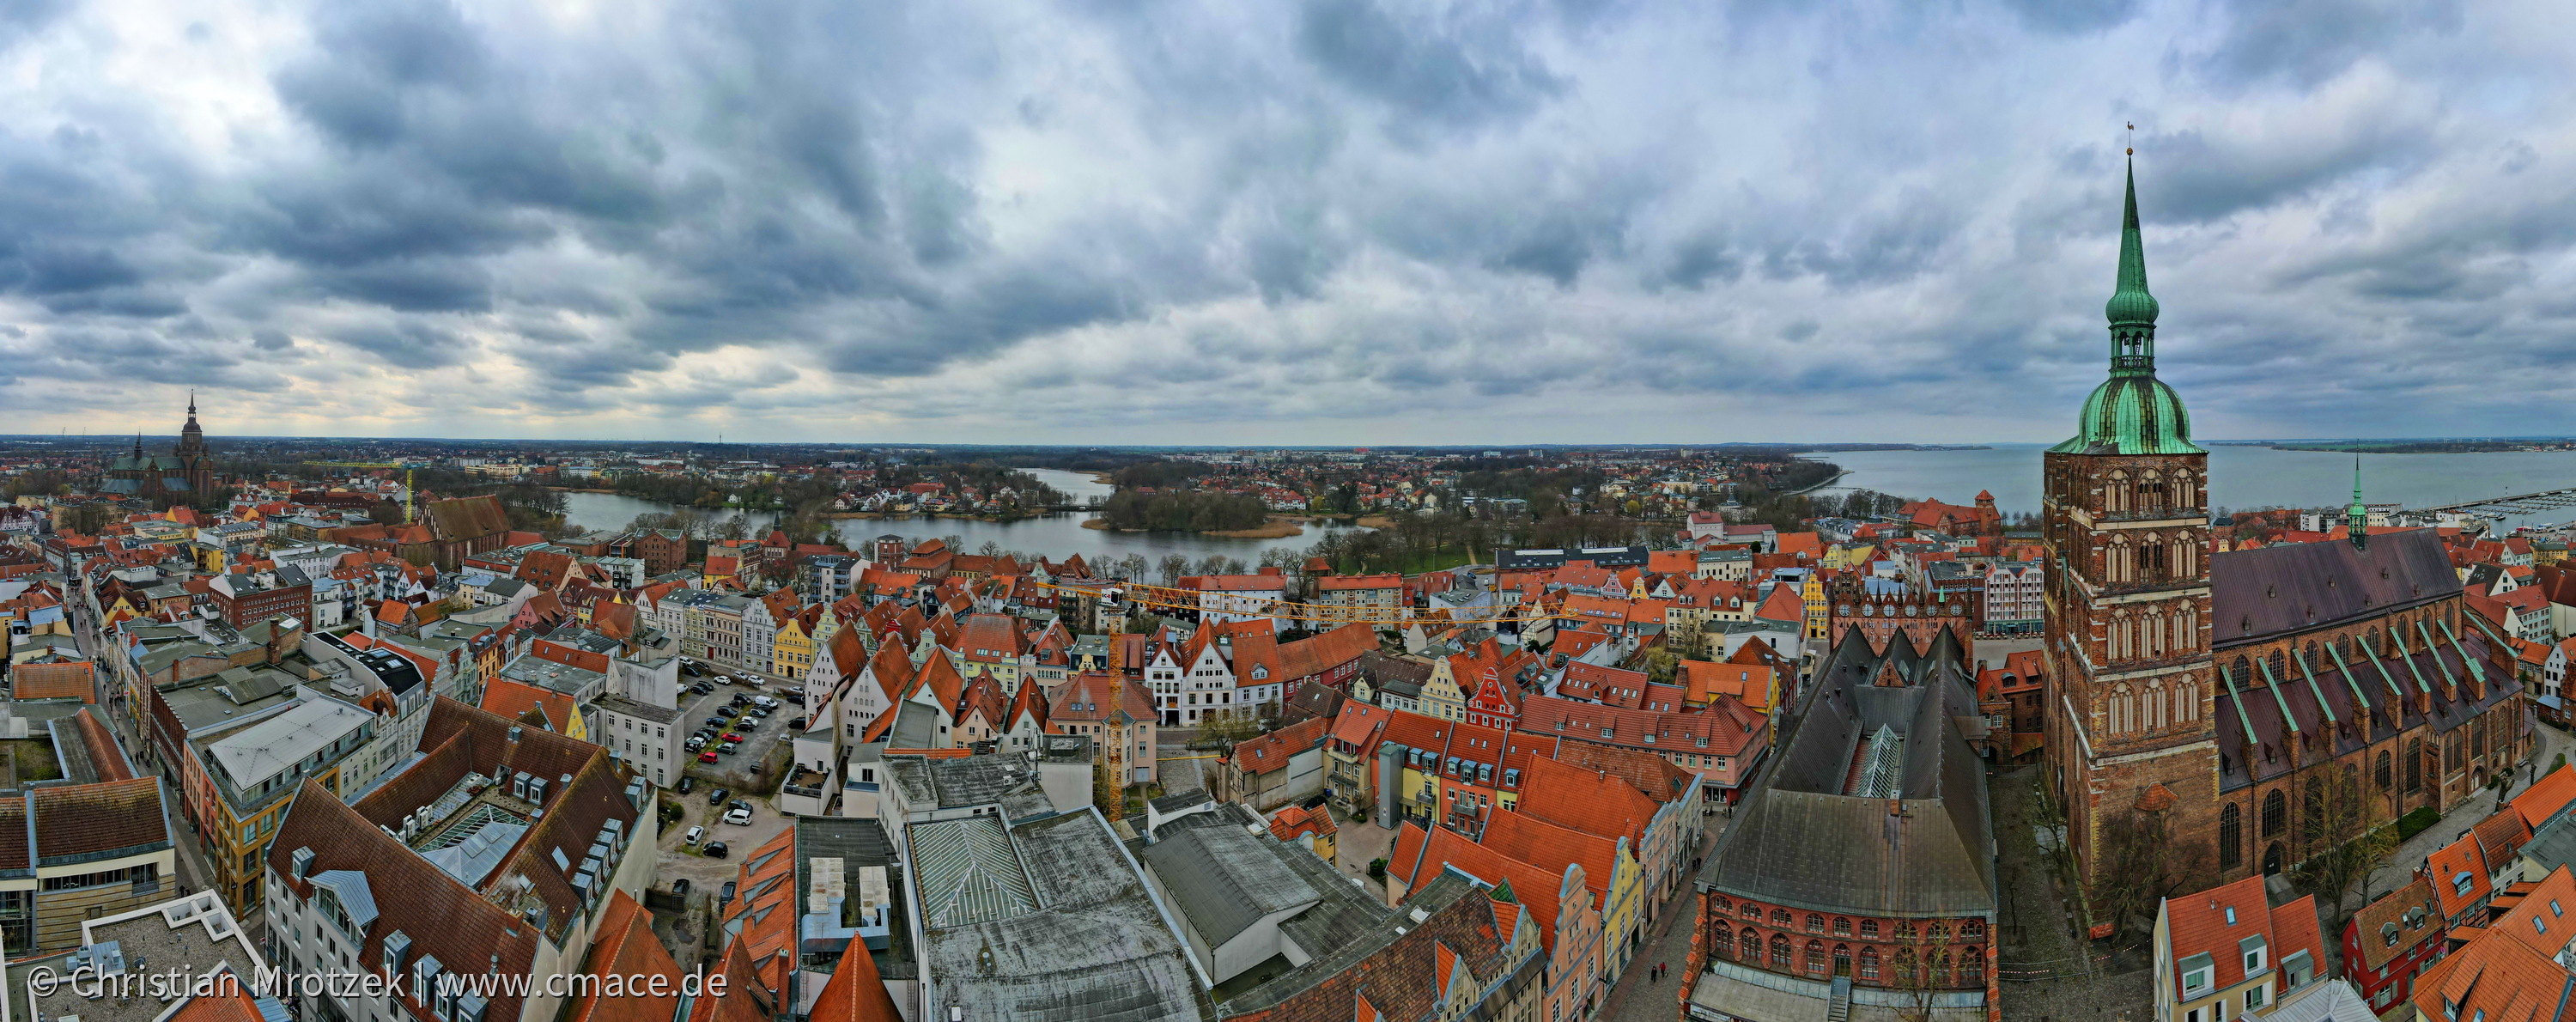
(739, 817)
(695, 835)
(680, 887)
(686, 783)
(724, 896)
(718, 796)
(694, 743)
(735, 738)
(716, 850)
(701, 688)
(708, 756)
(742, 804)
(796, 723)
(764, 702)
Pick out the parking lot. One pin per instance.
(685, 933)
(735, 770)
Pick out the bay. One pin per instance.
(1055, 536)
(2241, 477)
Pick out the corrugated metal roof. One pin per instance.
(969, 872)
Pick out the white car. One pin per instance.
(695, 835)
(738, 817)
(764, 702)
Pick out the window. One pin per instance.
(1869, 928)
(2196, 979)
(1869, 963)
(2253, 997)
(2231, 838)
(2275, 813)
(1780, 951)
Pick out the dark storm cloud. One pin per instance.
(974, 221)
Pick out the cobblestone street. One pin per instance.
(2045, 969)
(1640, 998)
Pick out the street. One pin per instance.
(1640, 995)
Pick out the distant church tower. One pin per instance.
(2130, 725)
(195, 464)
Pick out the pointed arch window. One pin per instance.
(2231, 837)
(2124, 709)
(2156, 706)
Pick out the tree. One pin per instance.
(991, 548)
(1228, 728)
(2338, 831)
(1131, 567)
(2140, 864)
(1172, 567)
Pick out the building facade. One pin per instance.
(2214, 697)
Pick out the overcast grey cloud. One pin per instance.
(1335, 221)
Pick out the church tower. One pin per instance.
(2126, 520)
(195, 465)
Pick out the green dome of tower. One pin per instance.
(2132, 412)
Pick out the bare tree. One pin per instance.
(2141, 864)
(2338, 829)
(991, 548)
(1174, 566)
(1131, 567)
(1212, 564)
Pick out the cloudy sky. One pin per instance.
(1337, 221)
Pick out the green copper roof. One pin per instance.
(2132, 412)
(2130, 303)
(2356, 518)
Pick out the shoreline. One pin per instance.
(1277, 527)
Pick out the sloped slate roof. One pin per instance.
(2256, 594)
(1800, 841)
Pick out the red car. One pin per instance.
(708, 756)
(734, 738)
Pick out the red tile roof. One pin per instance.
(516, 699)
(2459, 872)
(2213, 922)
(626, 947)
(1272, 751)
(1590, 801)
(2546, 797)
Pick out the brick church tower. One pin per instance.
(2130, 723)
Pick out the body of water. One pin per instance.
(2239, 476)
(1055, 536)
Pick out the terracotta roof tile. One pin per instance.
(86, 819)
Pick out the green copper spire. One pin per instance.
(2356, 518)
(2132, 412)
(2130, 304)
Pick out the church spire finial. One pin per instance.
(192, 402)
(2132, 310)
(2356, 518)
